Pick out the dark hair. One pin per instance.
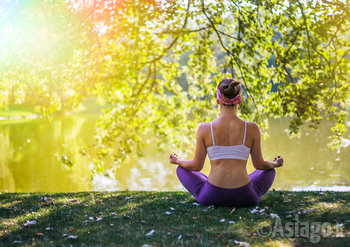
(229, 88)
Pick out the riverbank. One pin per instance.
(172, 219)
(17, 113)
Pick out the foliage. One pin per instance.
(155, 65)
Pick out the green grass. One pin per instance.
(125, 218)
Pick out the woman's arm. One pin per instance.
(199, 158)
(256, 154)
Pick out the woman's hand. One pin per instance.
(279, 161)
(174, 159)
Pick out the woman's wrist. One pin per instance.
(271, 164)
(179, 162)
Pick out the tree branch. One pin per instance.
(308, 36)
(229, 53)
(175, 40)
(341, 5)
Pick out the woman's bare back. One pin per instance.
(228, 173)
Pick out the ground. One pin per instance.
(129, 218)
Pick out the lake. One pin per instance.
(31, 151)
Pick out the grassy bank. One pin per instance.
(170, 219)
(16, 111)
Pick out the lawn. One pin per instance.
(129, 218)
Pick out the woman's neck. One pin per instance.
(228, 111)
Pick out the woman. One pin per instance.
(228, 141)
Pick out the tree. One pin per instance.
(156, 64)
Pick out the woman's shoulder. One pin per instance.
(203, 128)
(253, 127)
(204, 125)
(252, 124)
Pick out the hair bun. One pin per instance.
(229, 88)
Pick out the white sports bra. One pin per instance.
(240, 152)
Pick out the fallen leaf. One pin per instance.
(303, 211)
(272, 215)
(30, 223)
(253, 211)
(96, 218)
(290, 212)
(261, 211)
(40, 234)
(240, 243)
(150, 233)
(194, 218)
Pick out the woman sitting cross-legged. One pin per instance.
(228, 140)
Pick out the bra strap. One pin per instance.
(212, 135)
(245, 131)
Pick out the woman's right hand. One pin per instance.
(279, 161)
(174, 159)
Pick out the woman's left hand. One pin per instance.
(279, 161)
(174, 159)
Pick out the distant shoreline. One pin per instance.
(29, 116)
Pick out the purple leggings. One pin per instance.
(207, 194)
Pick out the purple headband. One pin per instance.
(226, 101)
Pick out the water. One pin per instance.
(31, 152)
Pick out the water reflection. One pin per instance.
(29, 149)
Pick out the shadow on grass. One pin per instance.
(166, 219)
